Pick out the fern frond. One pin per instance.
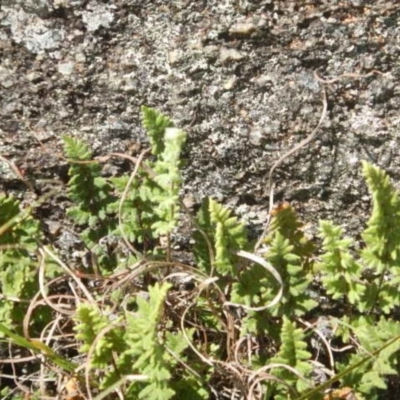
(382, 239)
(201, 249)
(89, 323)
(155, 124)
(286, 222)
(382, 235)
(146, 350)
(137, 213)
(296, 298)
(340, 272)
(230, 236)
(371, 377)
(19, 238)
(85, 184)
(293, 352)
(168, 178)
(92, 195)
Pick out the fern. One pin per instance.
(151, 206)
(290, 253)
(285, 222)
(226, 235)
(168, 179)
(143, 338)
(18, 241)
(90, 323)
(382, 236)
(92, 195)
(137, 212)
(371, 378)
(294, 354)
(136, 348)
(147, 350)
(156, 125)
(382, 239)
(340, 272)
(229, 236)
(87, 188)
(201, 251)
(296, 298)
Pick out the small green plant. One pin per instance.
(134, 345)
(146, 325)
(19, 235)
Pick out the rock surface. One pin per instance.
(239, 76)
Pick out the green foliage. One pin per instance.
(285, 222)
(229, 238)
(234, 326)
(382, 236)
(151, 204)
(292, 353)
(18, 241)
(89, 191)
(92, 197)
(168, 178)
(370, 378)
(381, 254)
(90, 323)
(203, 251)
(137, 211)
(147, 351)
(135, 345)
(290, 253)
(155, 124)
(340, 271)
(296, 298)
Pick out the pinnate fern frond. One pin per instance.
(87, 188)
(90, 323)
(155, 124)
(293, 352)
(168, 178)
(371, 377)
(146, 349)
(135, 345)
(230, 236)
(19, 238)
(17, 227)
(92, 196)
(286, 222)
(137, 212)
(289, 265)
(340, 272)
(381, 254)
(382, 235)
(203, 249)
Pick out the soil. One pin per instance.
(244, 78)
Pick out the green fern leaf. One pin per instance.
(382, 236)
(229, 236)
(18, 271)
(294, 354)
(382, 239)
(340, 272)
(285, 222)
(92, 196)
(146, 350)
(155, 124)
(168, 178)
(296, 298)
(371, 377)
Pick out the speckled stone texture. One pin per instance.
(239, 76)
